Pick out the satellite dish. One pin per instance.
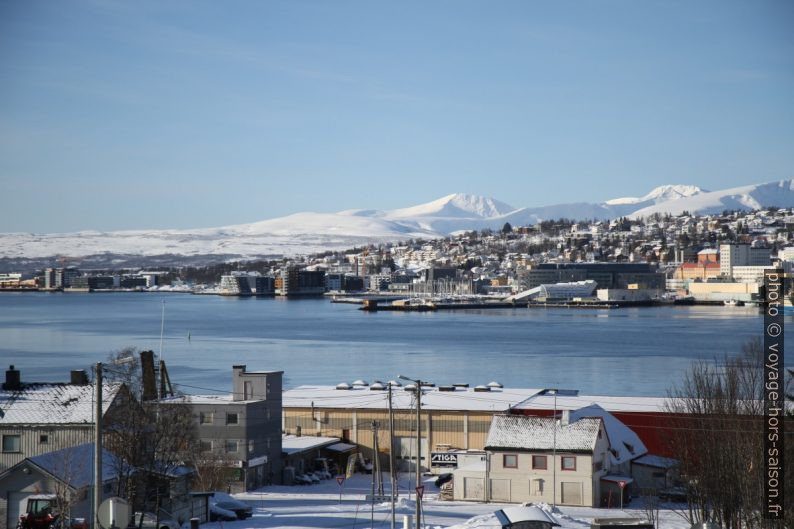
(114, 512)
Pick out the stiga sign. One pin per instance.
(443, 459)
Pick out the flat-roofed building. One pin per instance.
(452, 417)
(243, 425)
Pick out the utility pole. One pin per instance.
(392, 478)
(418, 386)
(418, 453)
(554, 455)
(97, 445)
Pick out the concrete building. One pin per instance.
(750, 274)
(245, 425)
(296, 282)
(607, 275)
(732, 255)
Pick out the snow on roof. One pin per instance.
(293, 444)
(463, 399)
(652, 460)
(341, 447)
(610, 403)
(53, 403)
(206, 399)
(537, 433)
(74, 465)
(624, 444)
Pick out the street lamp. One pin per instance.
(418, 447)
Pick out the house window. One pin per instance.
(205, 446)
(231, 418)
(598, 466)
(539, 462)
(231, 446)
(250, 446)
(44, 439)
(206, 417)
(510, 461)
(568, 463)
(11, 443)
(248, 390)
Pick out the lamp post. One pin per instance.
(418, 447)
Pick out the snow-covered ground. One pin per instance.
(318, 507)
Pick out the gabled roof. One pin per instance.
(74, 465)
(522, 432)
(54, 403)
(624, 444)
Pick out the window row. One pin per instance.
(208, 417)
(539, 462)
(13, 442)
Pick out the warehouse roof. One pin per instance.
(362, 397)
(612, 404)
(53, 403)
(537, 433)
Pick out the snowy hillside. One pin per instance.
(311, 232)
(780, 194)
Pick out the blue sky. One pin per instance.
(118, 115)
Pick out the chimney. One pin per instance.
(78, 377)
(12, 382)
(148, 377)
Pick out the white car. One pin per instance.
(222, 500)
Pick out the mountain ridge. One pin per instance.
(308, 232)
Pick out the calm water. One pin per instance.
(638, 351)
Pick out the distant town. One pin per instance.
(661, 259)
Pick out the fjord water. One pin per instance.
(630, 351)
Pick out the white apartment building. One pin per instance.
(732, 255)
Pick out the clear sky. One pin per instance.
(139, 114)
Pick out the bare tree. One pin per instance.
(151, 438)
(717, 434)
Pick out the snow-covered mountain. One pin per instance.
(310, 232)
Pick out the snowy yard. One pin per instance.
(317, 506)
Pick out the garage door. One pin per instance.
(571, 493)
(16, 502)
(500, 489)
(473, 488)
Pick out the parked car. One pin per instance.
(219, 513)
(241, 509)
(147, 520)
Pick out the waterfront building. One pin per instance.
(606, 275)
(235, 285)
(293, 281)
(741, 254)
(88, 283)
(244, 426)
